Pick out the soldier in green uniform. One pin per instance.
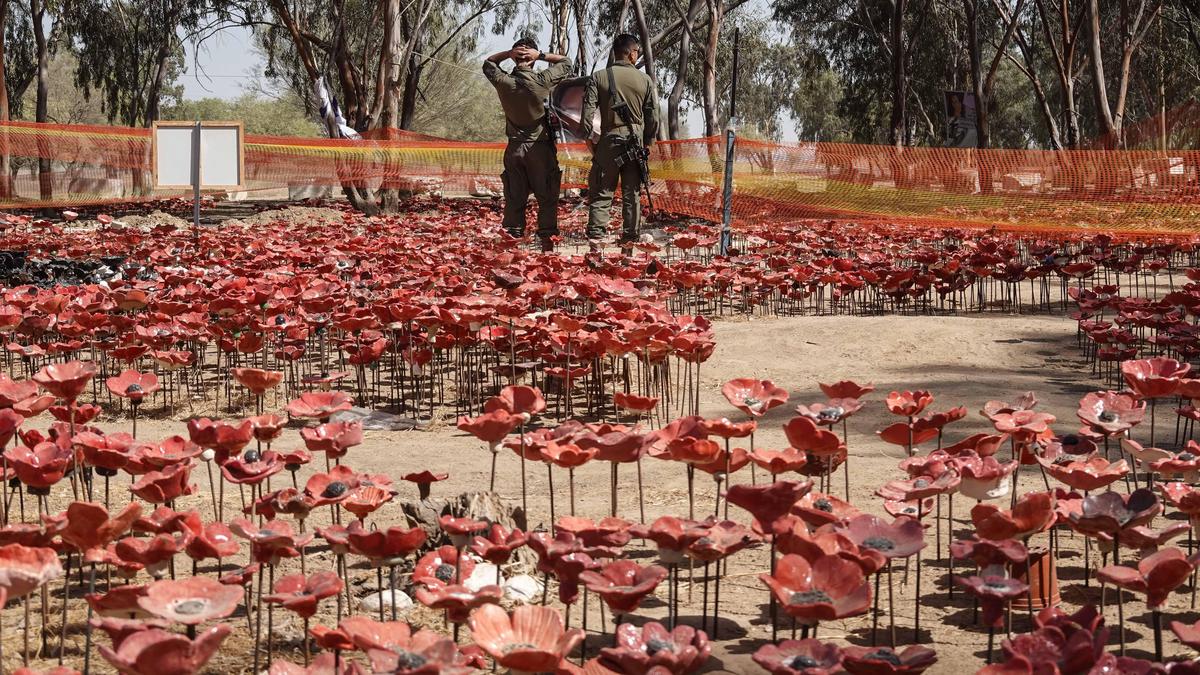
(530, 160)
(631, 86)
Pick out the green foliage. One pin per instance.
(284, 116)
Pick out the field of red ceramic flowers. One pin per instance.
(260, 353)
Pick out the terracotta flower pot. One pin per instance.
(1043, 582)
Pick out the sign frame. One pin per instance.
(204, 125)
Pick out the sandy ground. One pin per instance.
(962, 360)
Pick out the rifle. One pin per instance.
(634, 150)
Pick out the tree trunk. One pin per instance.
(37, 13)
(412, 82)
(712, 123)
(675, 100)
(896, 131)
(5, 153)
(562, 19)
(581, 61)
(1104, 115)
(648, 57)
(971, 8)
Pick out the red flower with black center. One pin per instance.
(799, 657)
(623, 584)
(457, 600)
(827, 589)
(531, 640)
(994, 593)
(133, 385)
(768, 502)
(1158, 377)
(319, 404)
(386, 547)
(885, 661)
(498, 544)
(158, 487)
(190, 601)
(442, 566)
(640, 649)
(898, 539)
(1157, 575)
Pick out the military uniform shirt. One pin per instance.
(634, 87)
(521, 94)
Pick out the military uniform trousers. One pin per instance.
(531, 166)
(602, 183)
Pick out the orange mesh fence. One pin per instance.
(1131, 191)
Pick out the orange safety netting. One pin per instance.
(1130, 191)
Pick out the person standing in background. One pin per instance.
(531, 159)
(621, 134)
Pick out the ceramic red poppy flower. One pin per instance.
(623, 584)
(846, 389)
(994, 593)
(387, 547)
(132, 385)
(289, 501)
(274, 540)
(365, 500)
(151, 456)
(118, 629)
(831, 412)
(498, 545)
(40, 467)
(1110, 412)
(640, 649)
(804, 434)
(333, 438)
(885, 661)
(717, 541)
(332, 487)
(921, 487)
(898, 539)
(440, 565)
(158, 487)
(89, 528)
(724, 428)
(252, 467)
(301, 593)
(67, 380)
(1157, 377)
(1157, 575)
(214, 540)
(634, 402)
(817, 509)
(108, 453)
(829, 588)
(768, 502)
(606, 532)
(190, 601)
(531, 640)
(753, 397)
(779, 461)
(319, 404)
(1024, 425)
(457, 600)
(799, 657)
(983, 477)
(267, 428)
(691, 450)
(325, 663)
(1034, 512)
(519, 400)
(908, 403)
(226, 439)
(1108, 513)
(987, 553)
(25, 568)
(158, 652)
(671, 534)
(258, 381)
(1083, 473)
(1187, 633)
(567, 455)
(423, 480)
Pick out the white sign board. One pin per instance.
(222, 164)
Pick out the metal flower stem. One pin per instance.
(392, 587)
(891, 608)
(550, 479)
(875, 612)
(258, 622)
(1120, 595)
(716, 627)
(571, 487)
(917, 602)
(62, 635)
(271, 617)
(87, 649)
(1156, 619)
(379, 586)
(774, 606)
(846, 463)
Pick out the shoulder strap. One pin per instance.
(621, 107)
